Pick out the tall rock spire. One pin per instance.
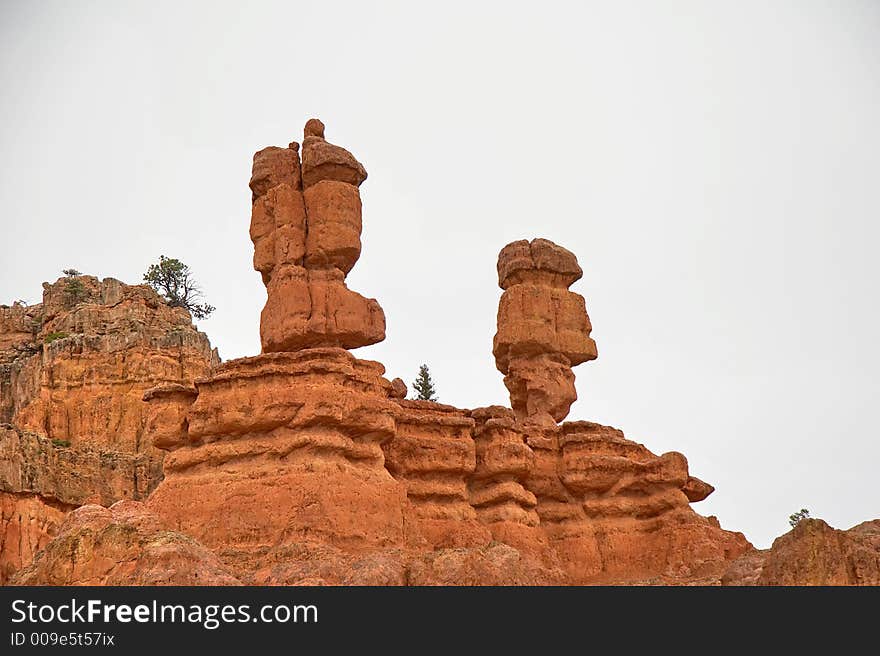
(543, 329)
(306, 229)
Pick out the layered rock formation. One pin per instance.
(306, 230)
(615, 511)
(293, 436)
(304, 462)
(304, 465)
(813, 553)
(19, 325)
(543, 329)
(433, 454)
(281, 446)
(73, 370)
(98, 346)
(32, 464)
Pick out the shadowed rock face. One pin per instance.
(32, 464)
(122, 545)
(305, 465)
(543, 329)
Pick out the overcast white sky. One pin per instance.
(714, 166)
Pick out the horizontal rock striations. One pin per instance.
(304, 465)
(278, 448)
(73, 371)
(93, 357)
(543, 329)
(306, 230)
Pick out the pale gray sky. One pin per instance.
(714, 166)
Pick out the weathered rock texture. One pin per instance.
(19, 325)
(40, 482)
(306, 230)
(91, 358)
(813, 553)
(305, 466)
(543, 329)
(32, 463)
(616, 511)
(434, 455)
(280, 448)
(122, 545)
(28, 523)
(73, 371)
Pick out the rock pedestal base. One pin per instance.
(280, 448)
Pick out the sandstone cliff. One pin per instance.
(96, 347)
(73, 371)
(813, 553)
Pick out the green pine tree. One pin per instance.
(799, 516)
(172, 279)
(424, 386)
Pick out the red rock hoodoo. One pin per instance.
(306, 229)
(543, 329)
(305, 465)
(305, 448)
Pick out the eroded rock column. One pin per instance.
(306, 227)
(543, 330)
(614, 511)
(280, 453)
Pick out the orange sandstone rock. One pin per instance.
(283, 448)
(28, 522)
(305, 242)
(94, 359)
(503, 462)
(813, 553)
(631, 516)
(274, 166)
(70, 475)
(73, 370)
(167, 422)
(41, 481)
(310, 308)
(122, 545)
(334, 238)
(325, 161)
(278, 229)
(305, 466)
(433, 454)
(543, 329)
(398, 389)
(19, 325)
